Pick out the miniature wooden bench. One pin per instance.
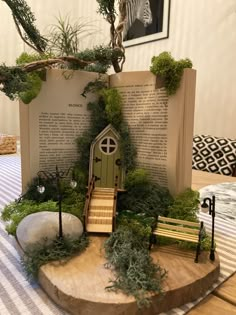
(180, 230)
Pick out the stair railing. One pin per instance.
(115, 205)
(87, 201)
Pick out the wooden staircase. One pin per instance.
(100, 210)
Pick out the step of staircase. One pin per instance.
(99, 228)
(101, 207)
(101, 210)
(104, 190)
(101, 202)
(100, 213)
(99, 220)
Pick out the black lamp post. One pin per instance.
(56, 176)
(208, 205)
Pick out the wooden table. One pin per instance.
(223, 300)
(201, 179)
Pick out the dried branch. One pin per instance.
(36, 65)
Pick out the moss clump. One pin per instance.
(112, 99)
(106, 110)
(16, 211)
(185, 206)
(169, 70)
(33, 79)
(72, 202)
(136, 274)
(144, 196)
(42, 253)
(15, 81)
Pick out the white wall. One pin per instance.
(202, 30)
(10, 45)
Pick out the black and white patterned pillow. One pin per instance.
(213, 154)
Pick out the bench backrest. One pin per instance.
(178, 225)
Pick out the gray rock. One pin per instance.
(41, 226)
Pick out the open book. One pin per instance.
(161, 127)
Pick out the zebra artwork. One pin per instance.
(137, 9)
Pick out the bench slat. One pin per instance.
(178, 221)
(172, 227)
(176, 235)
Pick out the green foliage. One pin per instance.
(65, 37)
(34, 86)
(33, 201)
(107, 109)
(33, 79)
(143, 196)
(73, 202)
(185, 206)
(16, 211)
(169, 70)
(107, 8)
(99, 118)
(128, 150)
(206, 242)
(137, 222)
(33, 194)
(98, 123)
(101, 56)
(25, 20)
(137, 179)
(112, 100)
(25, 58)
(15, 81)
(42, 253)
(94, 86)
(136, 274)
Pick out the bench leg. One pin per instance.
(197, 252)
(152, 240)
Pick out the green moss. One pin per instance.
(33, 201)
(169, 70)
(25, 58)
(34, 86)
(42, 253)
(185, 206)
(144, 196)
(135, 272)
(15, 81)
(17, 211)
(113, 108)
(107, 109)
(25, 21)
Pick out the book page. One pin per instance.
(155, 121)
(51, 122)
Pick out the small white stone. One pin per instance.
(41, 226)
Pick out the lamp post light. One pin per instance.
(208, 205)
(56, 176)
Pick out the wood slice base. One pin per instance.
(79, 284)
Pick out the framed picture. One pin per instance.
(147, 21)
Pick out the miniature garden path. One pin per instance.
(100, 211)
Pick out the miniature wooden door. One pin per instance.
(106, 160)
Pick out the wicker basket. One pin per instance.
(7, 144)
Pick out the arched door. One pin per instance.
(106, 164)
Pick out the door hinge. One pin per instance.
(97, 159)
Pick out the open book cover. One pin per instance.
(161, 126)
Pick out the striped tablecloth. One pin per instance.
(18, 296)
